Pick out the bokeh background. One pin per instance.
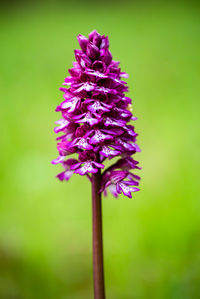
(151, 243)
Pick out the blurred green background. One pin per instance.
(151, 243)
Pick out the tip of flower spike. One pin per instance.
(97, 40)
(92, 34)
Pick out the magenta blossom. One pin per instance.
(95, 119)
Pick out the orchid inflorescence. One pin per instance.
(95, 116)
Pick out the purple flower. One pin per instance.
(95, 119)
(118, 182)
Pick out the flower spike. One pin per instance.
(95, 126)
(95, 119)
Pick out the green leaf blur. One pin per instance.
(151, 243)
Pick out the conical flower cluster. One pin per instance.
(95, 116)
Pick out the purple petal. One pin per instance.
(68, 81)
(85, 86)
(99, 165)
(86, 168)
(107, 152)
(104, 43)
(83, 41)
(91, 35)
(82, 143)
(63, 124)
(92, 51)
(122, 187)
(114, 122)
(65, 175)
(106, 56)
(83, 60)
(113, 190)
(71, 105)
(97, 39)
(123, 75)
(99, 137)
(98, 106)
(99, 66)
(75, 166)
(58, 160)
(86, 118)
(114, 131)
(75, 72)
(96, 74)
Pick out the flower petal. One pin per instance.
(86, 168)
(99, 137)
(58, 160)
